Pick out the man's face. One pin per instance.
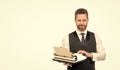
(81, 21)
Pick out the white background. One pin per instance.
(30, 28)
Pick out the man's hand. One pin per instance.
(85, 53)
(67, 64)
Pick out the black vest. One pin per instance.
(90, 46)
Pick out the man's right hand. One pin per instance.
(67, 64)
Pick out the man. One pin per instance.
(84, 42)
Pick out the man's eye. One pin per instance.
(79, 20)
(84, 20)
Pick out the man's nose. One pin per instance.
(81, 22)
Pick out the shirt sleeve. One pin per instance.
(65, 42)
(100, 54)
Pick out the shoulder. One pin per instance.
(90, 32)
(97, 37)
(65, 38)
(94, 33)
(72, 32)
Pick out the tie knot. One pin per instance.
(82, 34)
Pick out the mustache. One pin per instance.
(81, 25)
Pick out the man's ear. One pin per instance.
(88, 19)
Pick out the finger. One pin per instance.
(80, 51)
(68, 64)
(64, 63)
(83, 54)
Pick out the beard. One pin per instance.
(82, 27)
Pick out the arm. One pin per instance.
(100, 54)
(65, 44)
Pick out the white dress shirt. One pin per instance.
(100, 51)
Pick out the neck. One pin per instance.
(81, 30)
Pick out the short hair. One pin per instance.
(81, 11)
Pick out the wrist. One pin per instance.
(91, 55)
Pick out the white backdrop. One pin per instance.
(29, 29)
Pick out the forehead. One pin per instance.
(81, 16)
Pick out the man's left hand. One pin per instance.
(85, 53)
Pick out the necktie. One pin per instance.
(83, 40)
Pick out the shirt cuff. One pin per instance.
(94, 57)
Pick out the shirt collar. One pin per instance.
(79, 32)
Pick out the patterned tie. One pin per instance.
(83, 40)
